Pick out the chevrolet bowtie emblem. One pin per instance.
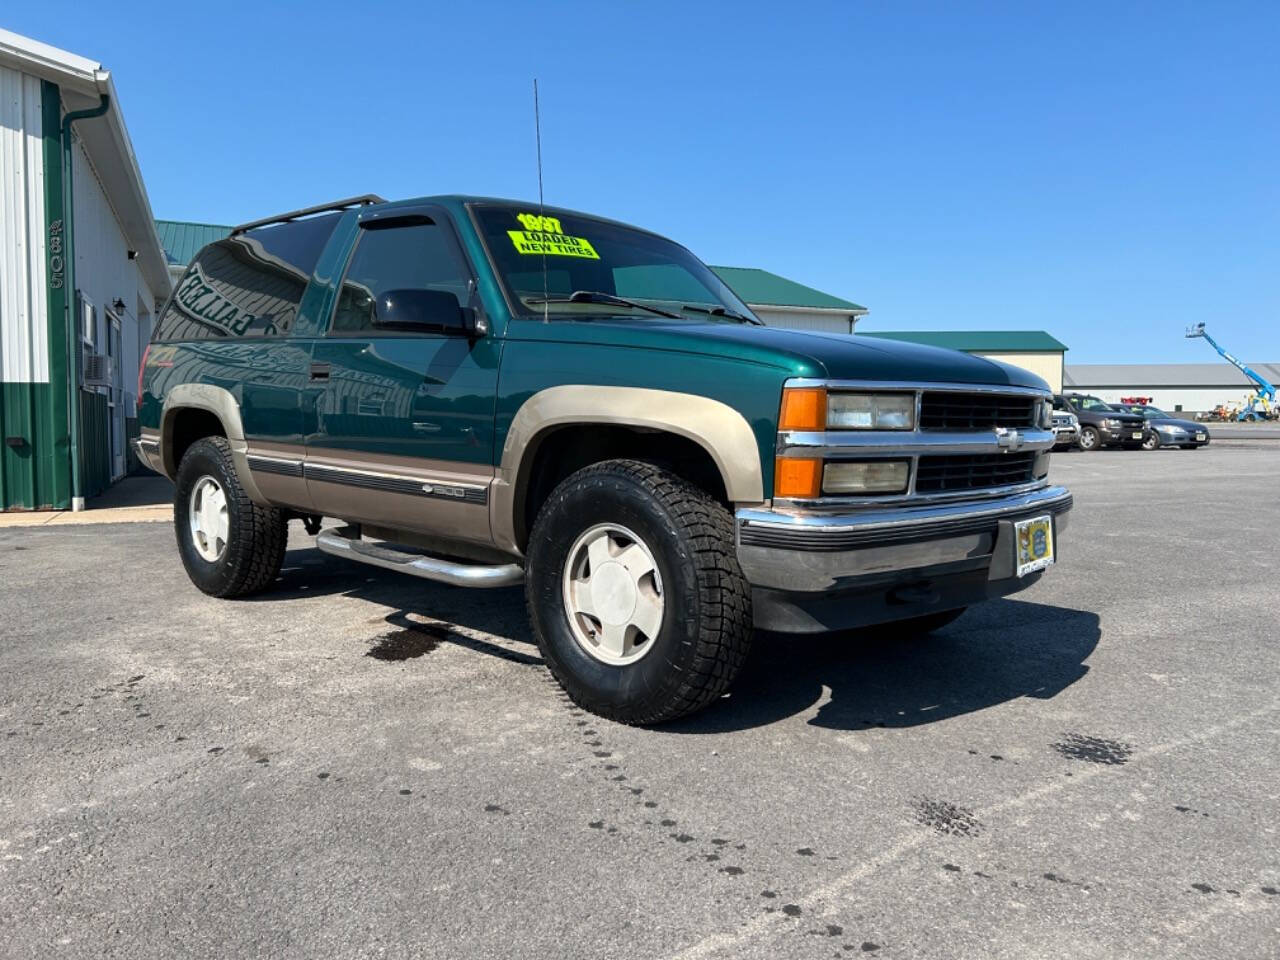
(1007, 438)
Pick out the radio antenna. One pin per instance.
(537, 129)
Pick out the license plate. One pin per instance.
(1034, 543)
(1137, 435)
(1199, 436)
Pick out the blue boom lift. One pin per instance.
(1261, 403)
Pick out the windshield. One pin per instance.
(1092, 403)
(604, 263)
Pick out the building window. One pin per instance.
(88, 322)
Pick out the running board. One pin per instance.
(346, 542)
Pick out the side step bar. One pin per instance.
(346, 542)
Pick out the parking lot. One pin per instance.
(361, 764)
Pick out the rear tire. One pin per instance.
(623, 536)
(230, 546)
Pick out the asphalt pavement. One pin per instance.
(358, 764)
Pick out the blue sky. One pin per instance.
(1107, 172)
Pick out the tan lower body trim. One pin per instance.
(434, 497)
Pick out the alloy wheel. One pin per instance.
(207, 515)
(613, 594)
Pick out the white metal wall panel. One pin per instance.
(24, 322)
(1190, 399)
(790, 320)
(104, 272)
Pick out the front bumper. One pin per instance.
(1064, 436)
(1182, 438)
(817, 572)
(1124, 434)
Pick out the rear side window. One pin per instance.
(417, 256)
(248, 285)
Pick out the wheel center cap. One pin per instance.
(613, 593)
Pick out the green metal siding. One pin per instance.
(35, 459)
(56, 440)
(95, 443)
(29, 469)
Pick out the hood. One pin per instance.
(1124, 416)
(805, 353)
(1188, 425)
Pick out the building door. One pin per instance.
(405, 422)
(115, 398)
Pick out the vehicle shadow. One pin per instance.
(998, 651)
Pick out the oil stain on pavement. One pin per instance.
(1075, 746)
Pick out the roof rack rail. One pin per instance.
(307, 211)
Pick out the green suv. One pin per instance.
(487, 392)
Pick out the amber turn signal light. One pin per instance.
(797, 477)
(803, 408)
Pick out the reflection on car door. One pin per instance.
(404, 429)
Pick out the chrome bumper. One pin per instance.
(809, 553)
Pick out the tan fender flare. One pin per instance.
(219, 402)
(716, 427)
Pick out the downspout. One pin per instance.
(73, 332)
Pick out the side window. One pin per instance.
(248, 285)
(418, 256)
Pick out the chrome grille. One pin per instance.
(957, 410)
(942, 474)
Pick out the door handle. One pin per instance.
(320, 371)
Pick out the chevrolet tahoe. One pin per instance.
(489, 393)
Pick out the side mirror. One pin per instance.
(427, 311)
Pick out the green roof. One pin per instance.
(765, 289)
(182, 239)
(977, 341)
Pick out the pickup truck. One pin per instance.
(488, 393)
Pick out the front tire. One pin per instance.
(1152, 442)
(634, 593)
(230, 546)
(1089, 439)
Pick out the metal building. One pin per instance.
(81, 275)
(1180, 387)
(780, 302)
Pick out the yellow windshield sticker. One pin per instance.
(544, 236)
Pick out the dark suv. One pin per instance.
(1102, 425)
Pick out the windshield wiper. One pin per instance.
(597, 296)
(722, 312)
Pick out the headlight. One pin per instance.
(870, 476)
(1112, 423)
(871, 411)
(1075, 421)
